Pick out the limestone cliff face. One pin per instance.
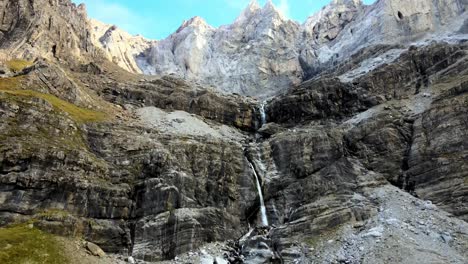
(260, 53)
(119, 47)
(263, 52)
(51, 29)
(365, 163)
(254, 55)
(350, 26)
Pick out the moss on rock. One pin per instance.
(78, 114)
(18, 65)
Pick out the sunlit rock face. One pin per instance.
(254, 55)
(260, 53)
(263, 52)
(119, 46)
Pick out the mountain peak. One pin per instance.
(268, 10)
(253, 5)
(248, 12)
(196, 22)
(269, 5)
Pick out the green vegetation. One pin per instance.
(78, 114)
(11, 83)
(22, 244)
(81, 115)
(53, 214)
(17, 65)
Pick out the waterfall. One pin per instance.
(262, 113)
(260, 194)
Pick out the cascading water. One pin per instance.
(262, 113)
(260, 194)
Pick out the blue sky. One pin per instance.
(156, 19)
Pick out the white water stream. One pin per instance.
(262, 113)
(260, 195)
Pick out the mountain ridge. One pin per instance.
(207, 54)
(362, 162)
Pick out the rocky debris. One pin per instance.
(180, 122)
(257, 247)
(95, 249)
(402, 225)
(131, 260)
(209, 253)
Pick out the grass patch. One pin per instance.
(17, 65)
(10, 83)
(21, 244)
(78, 114)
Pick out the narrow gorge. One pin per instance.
(343, 139)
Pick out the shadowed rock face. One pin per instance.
(438, 155)
(159, 166)
(108, 180)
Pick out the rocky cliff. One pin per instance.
(119, 47)
(263, 52)
(51, 29)
(364, 163)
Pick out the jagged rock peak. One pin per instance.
(118, 45)
(196, 22)
(271, 9)
(253, 5)
(253, 10)
(248, 12)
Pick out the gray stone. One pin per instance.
(95, 249)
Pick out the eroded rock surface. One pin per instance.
(365, 163)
